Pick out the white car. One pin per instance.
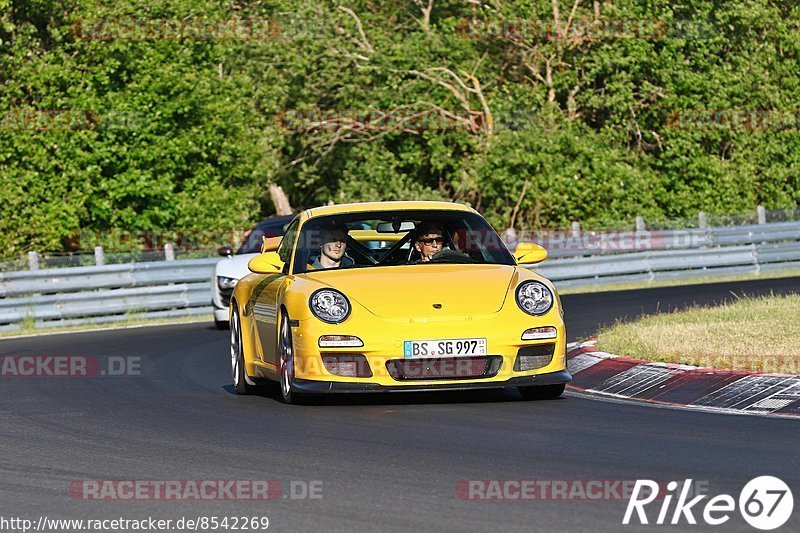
(234, 266)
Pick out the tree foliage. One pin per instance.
(536, 112)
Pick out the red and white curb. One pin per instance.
(732, 391)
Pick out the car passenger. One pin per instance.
(333, 245)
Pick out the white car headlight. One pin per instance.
(534, 298)
(226, 283)
(329, 306)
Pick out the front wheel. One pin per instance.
(542, 392)
(286, 362)
(241, 381)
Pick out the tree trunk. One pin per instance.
(280, 200)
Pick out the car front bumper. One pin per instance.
(221, 313)
(383, 350)
(326, 387)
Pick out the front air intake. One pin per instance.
(533, 357)
(444, 368)
(347, 364)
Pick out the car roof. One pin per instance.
(383, 206)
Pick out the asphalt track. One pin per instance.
(386, 463)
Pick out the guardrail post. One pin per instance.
(762, 214)
(754, 253)
(576, 229)
(169, 252)
(33, 260)
(509, 236)
(640, 223)
(99, 256)
(702, 220)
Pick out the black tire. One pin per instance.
(286, 362)
(238, 372)
(221, 324)
(542, 392)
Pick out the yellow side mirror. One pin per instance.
(267, 263)
(528, 253)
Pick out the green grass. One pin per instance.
(756, 334)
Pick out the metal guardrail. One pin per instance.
(718, 251)
(99, 294)
(109, 276)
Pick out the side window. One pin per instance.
(285, 248)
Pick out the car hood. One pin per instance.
(412, 291)
(234, 266)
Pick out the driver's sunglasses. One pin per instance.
(431, 240)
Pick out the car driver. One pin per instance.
(429, 241)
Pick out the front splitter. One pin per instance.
(327, 387)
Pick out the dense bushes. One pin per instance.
(102, 127)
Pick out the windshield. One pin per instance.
(392, 238)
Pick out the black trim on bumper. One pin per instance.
(225, 296)
(325, 387)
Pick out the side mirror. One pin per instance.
(225, 251)
(528, 253)
(267, 263)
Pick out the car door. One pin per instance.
(265, 304)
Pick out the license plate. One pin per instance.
(444, 348)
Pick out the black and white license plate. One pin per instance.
(444, 348)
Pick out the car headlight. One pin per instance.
(329, 306)
(534, 298)
(226, 283)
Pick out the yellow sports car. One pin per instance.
(396, 296)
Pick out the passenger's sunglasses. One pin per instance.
(431, 240)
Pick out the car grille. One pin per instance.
(225, 296)
(444, 368)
